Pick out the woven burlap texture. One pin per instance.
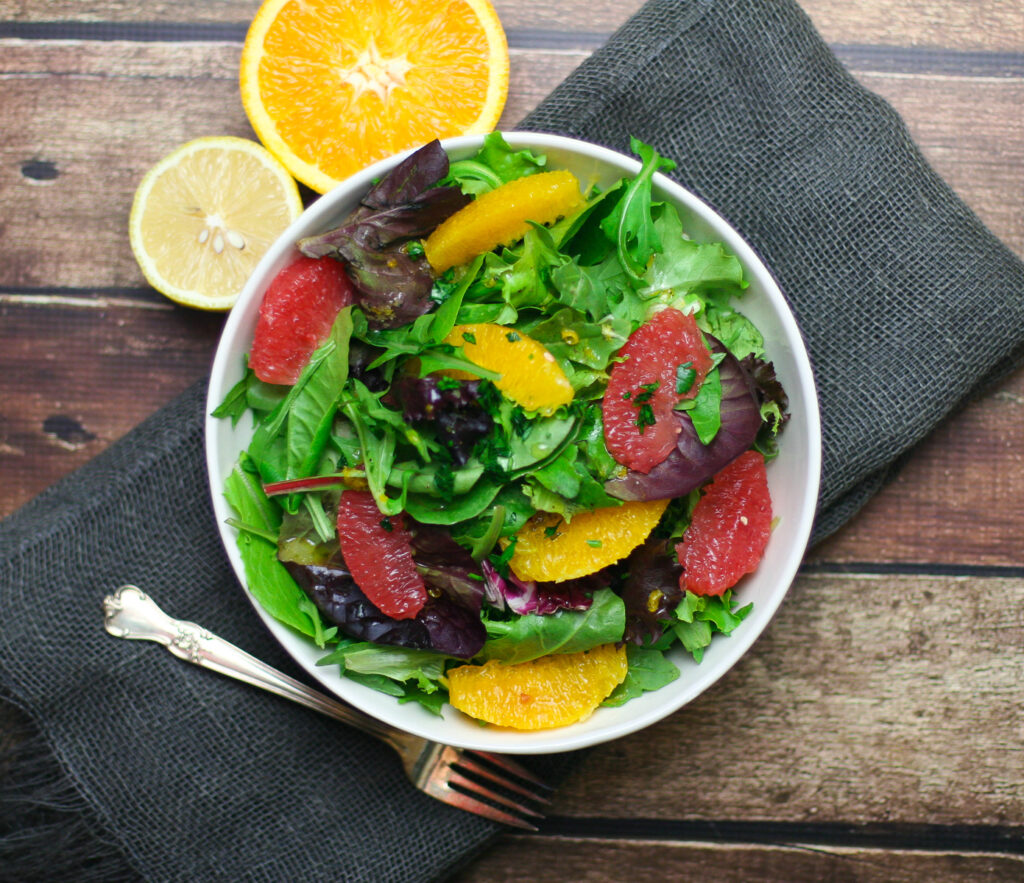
(907, 305)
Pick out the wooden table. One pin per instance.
(875, 731)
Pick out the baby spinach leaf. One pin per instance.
(269, 582)
(648, 669)
(706, 412)
(566, 631)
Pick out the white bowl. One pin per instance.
(792, 476)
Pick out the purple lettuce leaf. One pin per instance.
(448, 623)
(651, 591)
(543, 598)
(393, 286)
(692, 463)
(455, 410)
(769, 390)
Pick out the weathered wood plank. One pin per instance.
(77, 375)
(983, 25)
(518, 859)
(867, 700)
(956, 501)
(100, 115)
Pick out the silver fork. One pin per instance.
(436, 769)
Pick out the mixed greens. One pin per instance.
(388, 403)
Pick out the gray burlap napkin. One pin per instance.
(137, 765)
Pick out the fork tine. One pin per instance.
(468, 763)
(456, 778)
(470, 804)
(510, 766)
(445, 793)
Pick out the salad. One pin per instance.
(510, 436)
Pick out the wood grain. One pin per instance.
(88, 112)
(529, 859)
(993, 25)
(78, 373)
(868, 699)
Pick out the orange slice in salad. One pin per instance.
(551, 691)
(530, 375)
(332, 87)
(501, 217)
(550, 549)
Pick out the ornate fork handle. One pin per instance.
(130, 613)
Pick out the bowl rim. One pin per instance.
(574, 736)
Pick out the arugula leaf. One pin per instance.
(236, 402)
(312, 412)
(630, 224)
(648, 670)
(567, 631)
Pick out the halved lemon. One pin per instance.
(205, 214)
(331, 87)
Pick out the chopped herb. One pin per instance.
(685, 377)
(551, 532)
(594, 544)
(645, 417)
(386, 524)
(444, 383)
(646, 392)
(469, 337)
(444, 478)
(627, 395)
(512, 337)
(415, 250)
(501, 561)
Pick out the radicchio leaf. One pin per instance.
(446, 565)
(448, 623)
(392, 286)
(651, 591)
(455, 410)
(523, 597)
(692, 463)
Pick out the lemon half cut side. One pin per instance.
(205, 214)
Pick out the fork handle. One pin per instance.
(130, 613)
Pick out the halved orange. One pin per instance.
(551, 691)
(330, 87)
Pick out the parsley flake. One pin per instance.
(685, 377)
(469, 337)
(386, 524)
(512, 337)
(645, 417)
(594, 544)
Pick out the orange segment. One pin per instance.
(501, 216)
(331, 87)
(590, 541)
(530, 375)
(552, 691)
